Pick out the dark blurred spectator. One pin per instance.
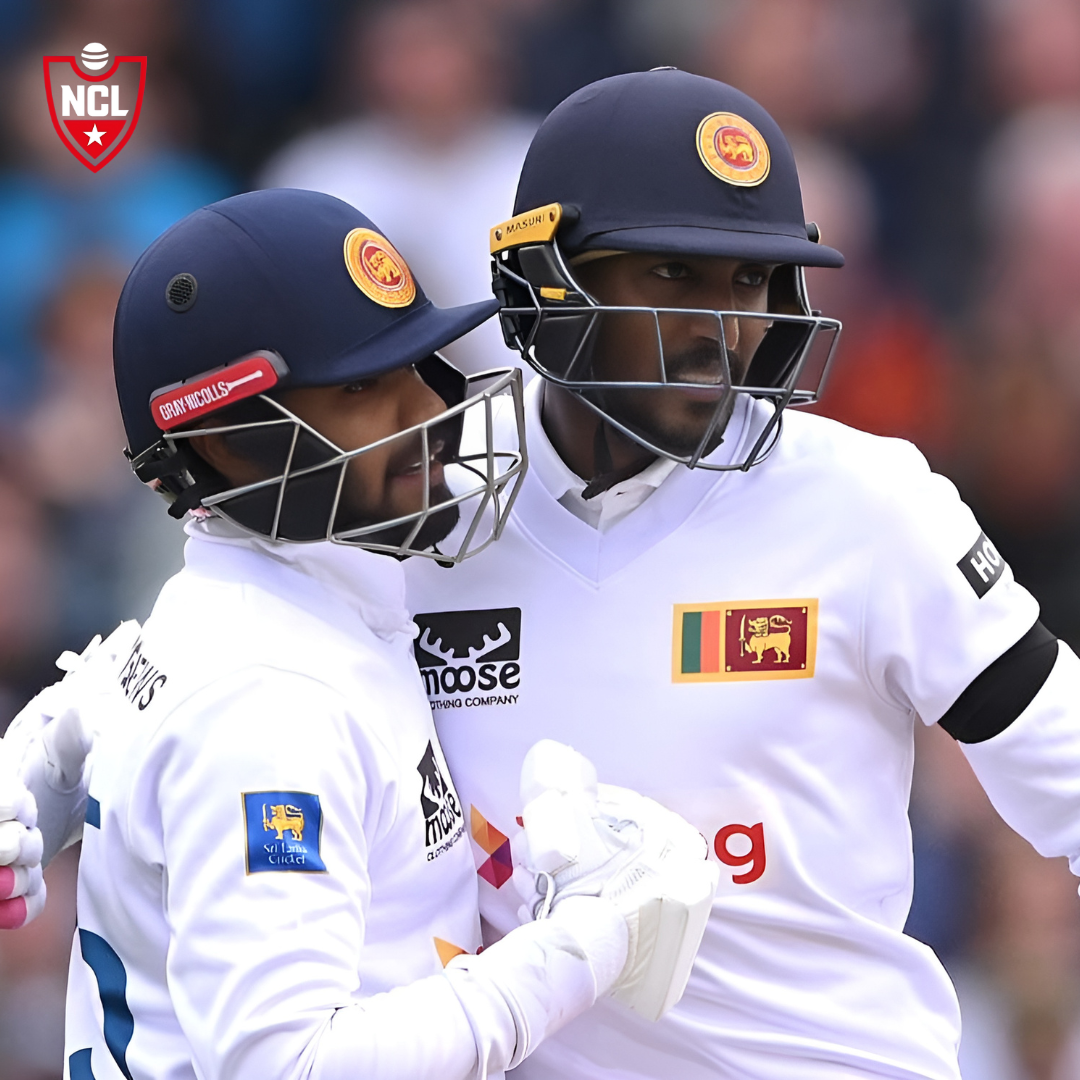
(893, 372)
(1020, 462)
(27, 594)
(950, 816)
(114, 542)
(559, 46)
(19, 20)
(256, 71)
(1031, 51)
(1027, 954)
(892, 80)
(670, 33)
(33, 981)
(1012, 942)
(820, 65)
(434, 162)
(74, 435)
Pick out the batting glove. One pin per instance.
(22, 888)
(43, 769)
(588, 839)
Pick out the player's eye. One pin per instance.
(752, 278)
(358, 385)
(672, 271)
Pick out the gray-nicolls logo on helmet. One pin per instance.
(653, 271)
(250, 345)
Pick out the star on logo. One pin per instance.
(94, 136)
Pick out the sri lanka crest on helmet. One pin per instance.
(733, 149)
(378, 270)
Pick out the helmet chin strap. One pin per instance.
(605, 475)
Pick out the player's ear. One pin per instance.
(785, 297)
(215, 450)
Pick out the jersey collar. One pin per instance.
(564, 485)
(367, 583)
(596, 555)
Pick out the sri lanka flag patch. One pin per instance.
(744, 640)
(284, 831)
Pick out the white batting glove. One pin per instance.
(589, 839)
(43, 768)
(22, 888)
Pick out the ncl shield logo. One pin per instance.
(94, 105)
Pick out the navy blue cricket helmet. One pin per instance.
(670, 163)
(268, 271)
(252, 296)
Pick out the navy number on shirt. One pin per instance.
(118, 1023)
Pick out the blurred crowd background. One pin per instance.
(939, 147)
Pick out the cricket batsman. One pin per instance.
(750, 606)
(276, 878)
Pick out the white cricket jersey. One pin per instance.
(753, 650)
(272, 832)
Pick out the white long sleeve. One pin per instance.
(485, 1013)
(1031, 770)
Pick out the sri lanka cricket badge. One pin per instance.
(744, 641)
(284, 831)
(733, 149)
(377, 269)
(95, 104)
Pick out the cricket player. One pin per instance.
(737, 608)
(752, 606)
(276, 878)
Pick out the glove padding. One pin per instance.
(43, 774)
(589, 839)
(22, 888)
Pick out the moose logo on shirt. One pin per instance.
(744, 640)
(470, 658)
(444, 823)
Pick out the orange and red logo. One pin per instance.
(377, 269)
(498, 867)
(744, 640)
(733, 149)
(95, 104)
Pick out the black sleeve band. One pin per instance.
(1004, 690)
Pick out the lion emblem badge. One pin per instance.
(767, 632)
(745, 640)
(378, 270)
(733, 149)
(284, 818)
(283, 832)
